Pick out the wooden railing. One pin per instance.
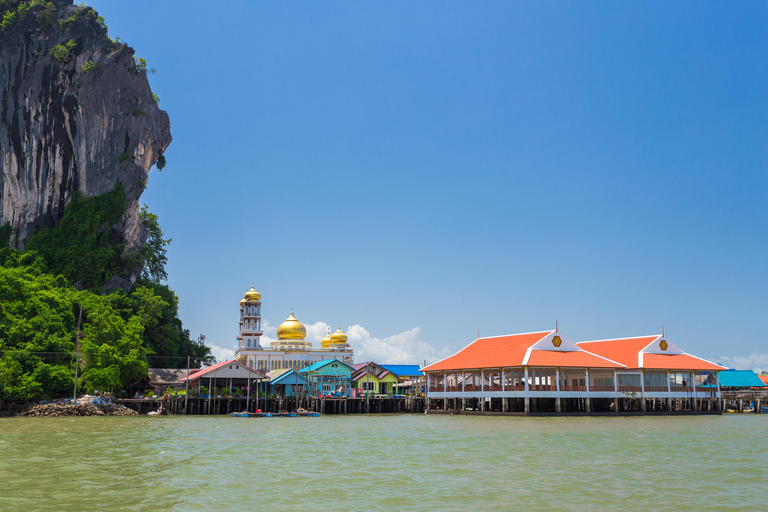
(573, 388)
(601, 388)
(631, 389)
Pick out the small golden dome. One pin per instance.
(326, 341)
(252, 295)
(291, 329)
(338, 337)
(242, 301)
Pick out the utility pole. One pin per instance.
(368, 387)
(77, 351)
(186, 391)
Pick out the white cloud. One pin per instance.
(755, 362)
(221, 353)
(403, 348)
(317, 331)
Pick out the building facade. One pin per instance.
(291, 350)
(546, 372)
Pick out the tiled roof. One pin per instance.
(495, 352)
(678, 362)
(621, 350)
(627, 351)
(580, 359)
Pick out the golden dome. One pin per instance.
(242, 301)
(291, 329)
(326, 341)
(252, 295)
(338, 337)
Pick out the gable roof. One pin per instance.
(646, 352)
(290, 376)
(213, 368)
(321, 364)
(516, 350)
(167, 375)
(403, 369)
(740, 379)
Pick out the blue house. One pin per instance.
(331, 377)
(410, 375)
(739, 379)
(286, 382)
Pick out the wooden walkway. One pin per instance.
(323, 405)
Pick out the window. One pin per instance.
(367, 386)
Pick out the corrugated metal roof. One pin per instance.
(402, 369)
(739, 379)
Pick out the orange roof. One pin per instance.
(496, 352)
(763, 378)
(510, 351)
(557, 358)
(627, 351)
(622, 350)
(677, 362)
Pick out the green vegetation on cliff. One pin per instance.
(119, 334)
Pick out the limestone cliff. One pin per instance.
(76, 114)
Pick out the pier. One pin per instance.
(323, 405)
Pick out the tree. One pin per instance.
(153, 254)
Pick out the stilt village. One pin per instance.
(536, 373)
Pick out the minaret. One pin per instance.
(250, 321)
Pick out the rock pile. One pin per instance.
(85, 406)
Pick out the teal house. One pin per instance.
(286, 382)
(331, 377)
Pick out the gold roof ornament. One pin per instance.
(242, 301)
(291, 329)
(326, 341)
(338, 337)
(252, 295)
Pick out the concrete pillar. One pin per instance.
(587, 405)
(741, 406)
(504, 404)
(669, 404)
(642, 403)
(482, 404)
(463, 404)
(758, 410)
(445, 404)
(527, 405)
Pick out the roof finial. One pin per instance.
(555, 324)
(662, 330)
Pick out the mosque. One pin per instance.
(291, 350)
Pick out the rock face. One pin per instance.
(81, 121)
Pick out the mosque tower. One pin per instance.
(250, 320)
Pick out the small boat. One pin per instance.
(251, 414)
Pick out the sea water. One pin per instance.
(384, 462)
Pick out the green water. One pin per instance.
(384, 462)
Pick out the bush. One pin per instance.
(63, 52)
(89, 66)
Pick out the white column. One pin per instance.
(669, 394)
(557, 400)
(693, 391)
(642, 390)
(615, 391)
(587, 404)
(527, 393)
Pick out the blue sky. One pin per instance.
(422, 170)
